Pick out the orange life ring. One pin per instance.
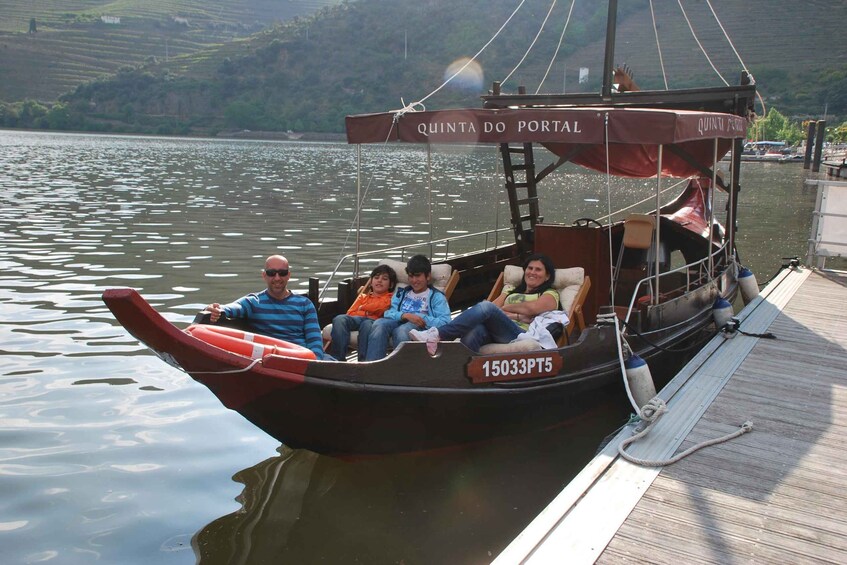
(255, 346)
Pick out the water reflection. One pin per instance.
(455, 506)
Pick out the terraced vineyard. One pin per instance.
(774, 40)
(73, 45)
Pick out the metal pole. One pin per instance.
(819, 140)
(658, 217)
(358, 208)
(734, 189)
(429, 186)
(709, 195)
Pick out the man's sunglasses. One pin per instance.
(274, 272)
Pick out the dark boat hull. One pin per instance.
(407, 402)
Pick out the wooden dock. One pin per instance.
(777, 494)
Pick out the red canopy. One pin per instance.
(634, 134)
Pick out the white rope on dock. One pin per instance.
(650, 413)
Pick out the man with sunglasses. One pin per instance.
(276, 311)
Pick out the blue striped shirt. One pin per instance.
(292, 319)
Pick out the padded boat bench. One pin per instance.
(443, 277)
(573, 287)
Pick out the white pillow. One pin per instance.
(399, 268)
(513, 275)
(439, 278)
(566, 296)
(568, 277)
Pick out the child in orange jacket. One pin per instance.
(374, 299)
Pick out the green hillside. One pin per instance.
(73, 44)
(369, 55)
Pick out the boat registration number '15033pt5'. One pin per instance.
(495, 368)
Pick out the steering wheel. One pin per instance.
(585, 222)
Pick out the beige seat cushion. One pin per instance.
(567, 282)
(439, 278)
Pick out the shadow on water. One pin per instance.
(455, 506)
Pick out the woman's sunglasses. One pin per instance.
(274, 272)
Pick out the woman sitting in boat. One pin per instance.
(373, 300)
(503, 320)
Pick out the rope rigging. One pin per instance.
(702, 49)
(726, 35)
(532, 44)
(467, 63)
(658, 45)
(359, 203)
(558, 47)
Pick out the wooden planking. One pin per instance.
(790, 401)
(550, 533)
(778, 494)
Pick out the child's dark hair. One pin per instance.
(418, 264)
(548, 266)
(386, 270)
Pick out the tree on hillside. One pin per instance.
(33, 28)
(30, 112)
(8, 115)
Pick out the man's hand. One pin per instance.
(214, 312)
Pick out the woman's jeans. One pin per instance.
(481, 324)
(342, 325)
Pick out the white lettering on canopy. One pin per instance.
(721, 124)
(434, 128)
(489, 127)
(460, 127)
(549, 126)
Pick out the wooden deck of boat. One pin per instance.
(776, 494)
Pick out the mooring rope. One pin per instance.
(650, 413)
(732, 327)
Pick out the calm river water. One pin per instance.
(108, 454)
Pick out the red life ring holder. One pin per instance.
(255, 346)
